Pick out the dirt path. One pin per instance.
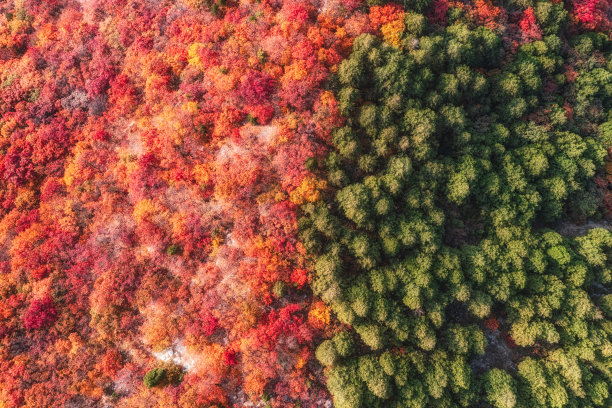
(570, 229)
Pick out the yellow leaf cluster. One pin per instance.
(289, 28)
(392, 31)
(178, 221)
(72, 170)
(300, 363)
(25, 198)
(157, 329)
(201, 174)
(195, 3)
(308, 191)
(327, 98)
(193, 57)
(7, 127)
(191, 107)
(319, 315)
(290, 123)
(8, 31)
(296, 71)
(46, 33)
(146, 209)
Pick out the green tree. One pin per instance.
(154, 377)
(326, 353)
(501, 389)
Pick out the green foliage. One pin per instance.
(416, 5)
(163, 375)
(606, 305)
(343, 344)
(371, 335)
(279, 289)
(415, 23)
(154, 377)
(355, 202)
(373, 374)
(346, 387)
(453, 161)
(501, 389)
(350, 72)
(326, 353)
(551, 17)
(174, 249)
(262, 56)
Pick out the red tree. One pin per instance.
(41, 313)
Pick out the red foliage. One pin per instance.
(26, 220)
(437, 13)
(530, 30)
(210, 324)
(592, 14)
(295, 11)
(287, 321)
(262, 113)
(297, 95)
(100, 135)
(281, 225)
(229, 355)
(487, 14)
(492, 323)
(569, 111)
(51, 187)
(17, 166)
(41, 313)
(111, 363)
(256, 87)
(509, 340)
(50, 144)
(299, 277)
(380, 15)
(303, 50)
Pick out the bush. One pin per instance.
(154, 377)
(161, 376)
(174, 249)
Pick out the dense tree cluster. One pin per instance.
(435, 243)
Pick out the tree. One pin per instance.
(500, 389)
(256, 87)
(154, 377)
(343, 343)
(326, 353)
(40, 314)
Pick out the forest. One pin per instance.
(306, 203)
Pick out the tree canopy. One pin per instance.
(436, 242)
